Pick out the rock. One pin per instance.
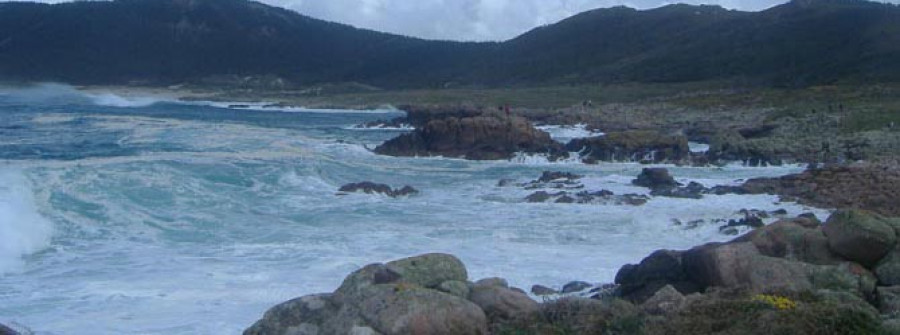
(506, 183)
(693, 190)
(859, 236)
(476, 138)
(373, 188)
(549, 176)
(633, 146)
(540, 290)
(740, 264)
(730, 146)
(539, 196)
(500, 303)
(4, 330)
(576, 286)
(565, 200)
(392, 298)
(888, 269)
(455, 287)
(639, 282)
(493, 281)
(406, 309)
(797, 239)
(664, 301)
(749, 220)
(655, 179)
(312, 314)
(429, 270)
(870, 187)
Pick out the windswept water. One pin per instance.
(146, 216)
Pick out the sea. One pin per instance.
(148, 215)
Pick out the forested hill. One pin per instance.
(162, 42)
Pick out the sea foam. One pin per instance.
(22, 229)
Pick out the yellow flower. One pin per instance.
(778, 302)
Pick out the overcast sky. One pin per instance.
(472, 20)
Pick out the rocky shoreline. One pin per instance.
(794, 276)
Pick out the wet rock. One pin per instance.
(373, 188)
(500, 303)
(633, 146)
(638, 282)
(506, 183)
(576, 286)
(859, 236)
(4, 330)
(551, 176)
(655, 179)
(541, 290)
(539, 196)
(693, 190)
(565, 200)
(475, 138)
(749, 220)
(602, 197)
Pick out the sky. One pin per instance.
(472, 20)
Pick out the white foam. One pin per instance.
(22, 229)
(110, 99)
(566, 133)
(698, 147)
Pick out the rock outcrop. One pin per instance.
(795, 255)
(633, 146)
(475, 138)
(875, 188)
(428, 294)
(4, 330)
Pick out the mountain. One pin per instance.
(159, 42)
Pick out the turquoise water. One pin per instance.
(146, 216)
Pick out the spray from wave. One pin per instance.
(55, 93)
(22, 229)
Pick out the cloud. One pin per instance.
(472, 20)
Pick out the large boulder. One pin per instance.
(430, 270)
(408, 309)
(740, 264)
(859, 236)
(662, 268)
(501, 303)
(796, 239)
(476, 138)
(655, 179)
(636, 146)
(426, 294)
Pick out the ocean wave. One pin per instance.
(22, 229)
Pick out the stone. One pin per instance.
(655, 179)
(541, 290)
(576, 286)
(394, 309)
(859, 236)
(373, 188)
(664, 267)
(793, 240)
(666, 300)
(633, 146)
(302, 316)
(500, 303)
(4, 330)
(455, 287)
(888, 269)
(493, 281)
(551, 176)
(429, 270)
(740, 264)
(475, 138)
